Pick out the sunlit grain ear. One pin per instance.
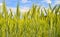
(54, 8)
(50, 6)
(34, 7)
(10, 15)
(45, 10)
(4, 9)
(1, 15)
(38, 11)
(57, 9)
(18, 10)
(42, 14)
(28, 14)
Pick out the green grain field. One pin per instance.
(33, 23)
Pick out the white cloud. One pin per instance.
(25, 1)
(0, 7)
(57, 2)
(0, 4)
(48, 1)
(22, 10)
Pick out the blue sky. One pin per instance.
(26, 4)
